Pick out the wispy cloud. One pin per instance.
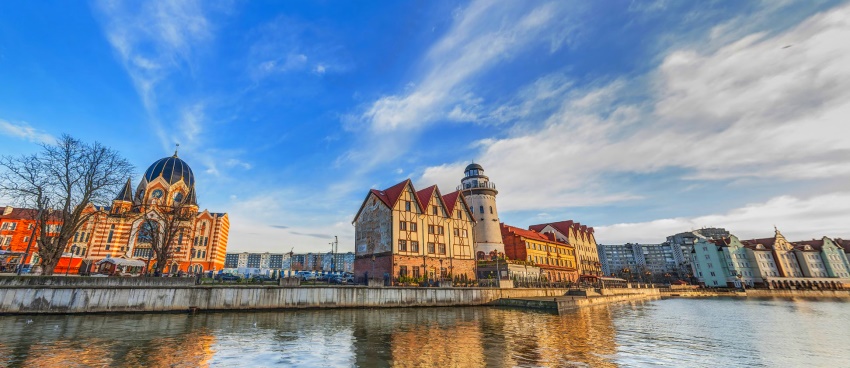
(152, 41)
(23, 130)
(751, 108)
(483, 35)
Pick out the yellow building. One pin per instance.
(581, 237)
(556, 259)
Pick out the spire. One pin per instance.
(191, 199)
(126, 193)
(176, 147)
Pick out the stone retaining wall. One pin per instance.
(31, 281)
(63, 299)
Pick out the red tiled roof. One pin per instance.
(19, 213)
(529, 234)
(564, 227)
(424, 196)
(451, 200)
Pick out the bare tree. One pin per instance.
(61, 182)
(162, 227)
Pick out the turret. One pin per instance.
(123, 202)
(480, 194)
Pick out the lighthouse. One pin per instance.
(480, 195)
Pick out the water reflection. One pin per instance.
(712, 332)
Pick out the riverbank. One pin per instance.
(757, 293)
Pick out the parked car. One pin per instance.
(307, 276)
(261, 278)
(228, 277)
(341, 280)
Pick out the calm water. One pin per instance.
(675, 333)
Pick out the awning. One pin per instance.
(122, 262)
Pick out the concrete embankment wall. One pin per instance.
(98, 299)
(568, 303)
(37, 281)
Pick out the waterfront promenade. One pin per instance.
(58, 295)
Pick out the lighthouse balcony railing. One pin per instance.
(482, 185)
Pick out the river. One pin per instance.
(675, 332)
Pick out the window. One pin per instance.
(414, 246)
(434, 210)
(416, 272)
(470, 209)
(206, 241)
(431, 248)
(707, 257)
(481, 209)
(180, 237)
(76, 237)
(430, 229)
(402, 271)
(413, 226)
(402, 225)
(440, 230)
(459, 214)
(407, 205)
(26, 239)
(712, 274)
(402, 245)
(441, 248)
(464, 234)
(457, 232)
(491, 210)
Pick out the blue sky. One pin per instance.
(641, 119)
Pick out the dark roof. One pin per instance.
(473, 166)
(126, 194)
(172, 169)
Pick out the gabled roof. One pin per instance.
(390, 196)
(126, 193)
(424, 195)
(529, 234)
(564, 227)
(451, 200)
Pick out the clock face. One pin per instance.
(157, 193)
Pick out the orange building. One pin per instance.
(113, 232)
(556, 260)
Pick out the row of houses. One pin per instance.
(771, 262)
(290, 261)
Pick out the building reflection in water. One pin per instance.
(403, 337)
(162, 340)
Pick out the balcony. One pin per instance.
(479, 185)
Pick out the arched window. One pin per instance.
(147, 231)
(481, 209)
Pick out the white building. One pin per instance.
(480, 195)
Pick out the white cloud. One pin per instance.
(484, 34)
(23, 130)
(153, 40)
(797, 219)
(749, 109)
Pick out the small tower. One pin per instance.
(124, 200)
(480, 194)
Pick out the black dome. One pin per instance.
(172, 169)
(473, 166)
